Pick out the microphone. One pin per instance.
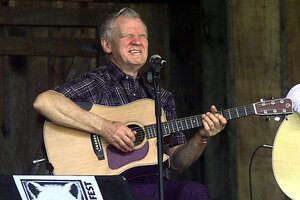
(157, 60)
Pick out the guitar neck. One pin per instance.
(196, 121)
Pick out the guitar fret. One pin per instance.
(164, 131)
(194, 122)
(176, 122)
(237, 112)
(148, 132)
(245, 110)
(153, 131)
(173, 128)
(186, 123)
(182, 125)
(229, 114)
(166, 128)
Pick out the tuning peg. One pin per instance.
(267, 119)
(262, 100)
(286, 117)
(276, 118)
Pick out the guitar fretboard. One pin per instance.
(196, 121)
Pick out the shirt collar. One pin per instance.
(117, 74)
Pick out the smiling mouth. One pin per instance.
(134, 51)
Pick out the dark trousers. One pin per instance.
(146, 188)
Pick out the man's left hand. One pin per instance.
(213, 123)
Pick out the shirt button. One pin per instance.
(127, 77)
(133, 94)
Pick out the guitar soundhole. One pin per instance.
(140, 134)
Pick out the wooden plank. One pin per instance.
(27, 16)
(48, 46)
(257, 75)
(79, 66)
(293, 41)
(37, 81)
(2, 114)
(15, 114)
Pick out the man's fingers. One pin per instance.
(130, 134)
(127, 140)
(213, 108)
(206, 126)
(210, 119)
(118, 146)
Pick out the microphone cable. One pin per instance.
(250, 165)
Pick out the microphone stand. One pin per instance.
(155, 78)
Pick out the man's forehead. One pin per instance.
(123, 23)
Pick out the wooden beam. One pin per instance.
(82, 17)
(48, 46)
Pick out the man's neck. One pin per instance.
(129, 70)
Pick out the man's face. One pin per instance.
(128, 44)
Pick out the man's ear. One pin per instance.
(106, 45)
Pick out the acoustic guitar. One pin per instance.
(74, 152)
(286, 156)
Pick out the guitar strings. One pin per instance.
(173, 124)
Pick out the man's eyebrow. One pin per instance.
(144, 35)
(129, 34)
(124, 34)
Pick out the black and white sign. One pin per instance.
(58, 187)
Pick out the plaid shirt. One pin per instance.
(110, 86)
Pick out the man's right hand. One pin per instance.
(118, 135)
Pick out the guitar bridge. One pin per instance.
(97, 146)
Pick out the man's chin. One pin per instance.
(139, 63)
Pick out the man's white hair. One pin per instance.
(108, 25)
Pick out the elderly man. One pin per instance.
(124, 38)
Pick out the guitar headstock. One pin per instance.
(281, 106)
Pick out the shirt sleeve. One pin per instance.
(85, 88)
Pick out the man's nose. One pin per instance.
(136, 40)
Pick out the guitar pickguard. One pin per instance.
(117, 158)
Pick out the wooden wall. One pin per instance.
(292, 17)
(226, 53)
(265, 48)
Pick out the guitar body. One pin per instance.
(71, 151)
(286, 156)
